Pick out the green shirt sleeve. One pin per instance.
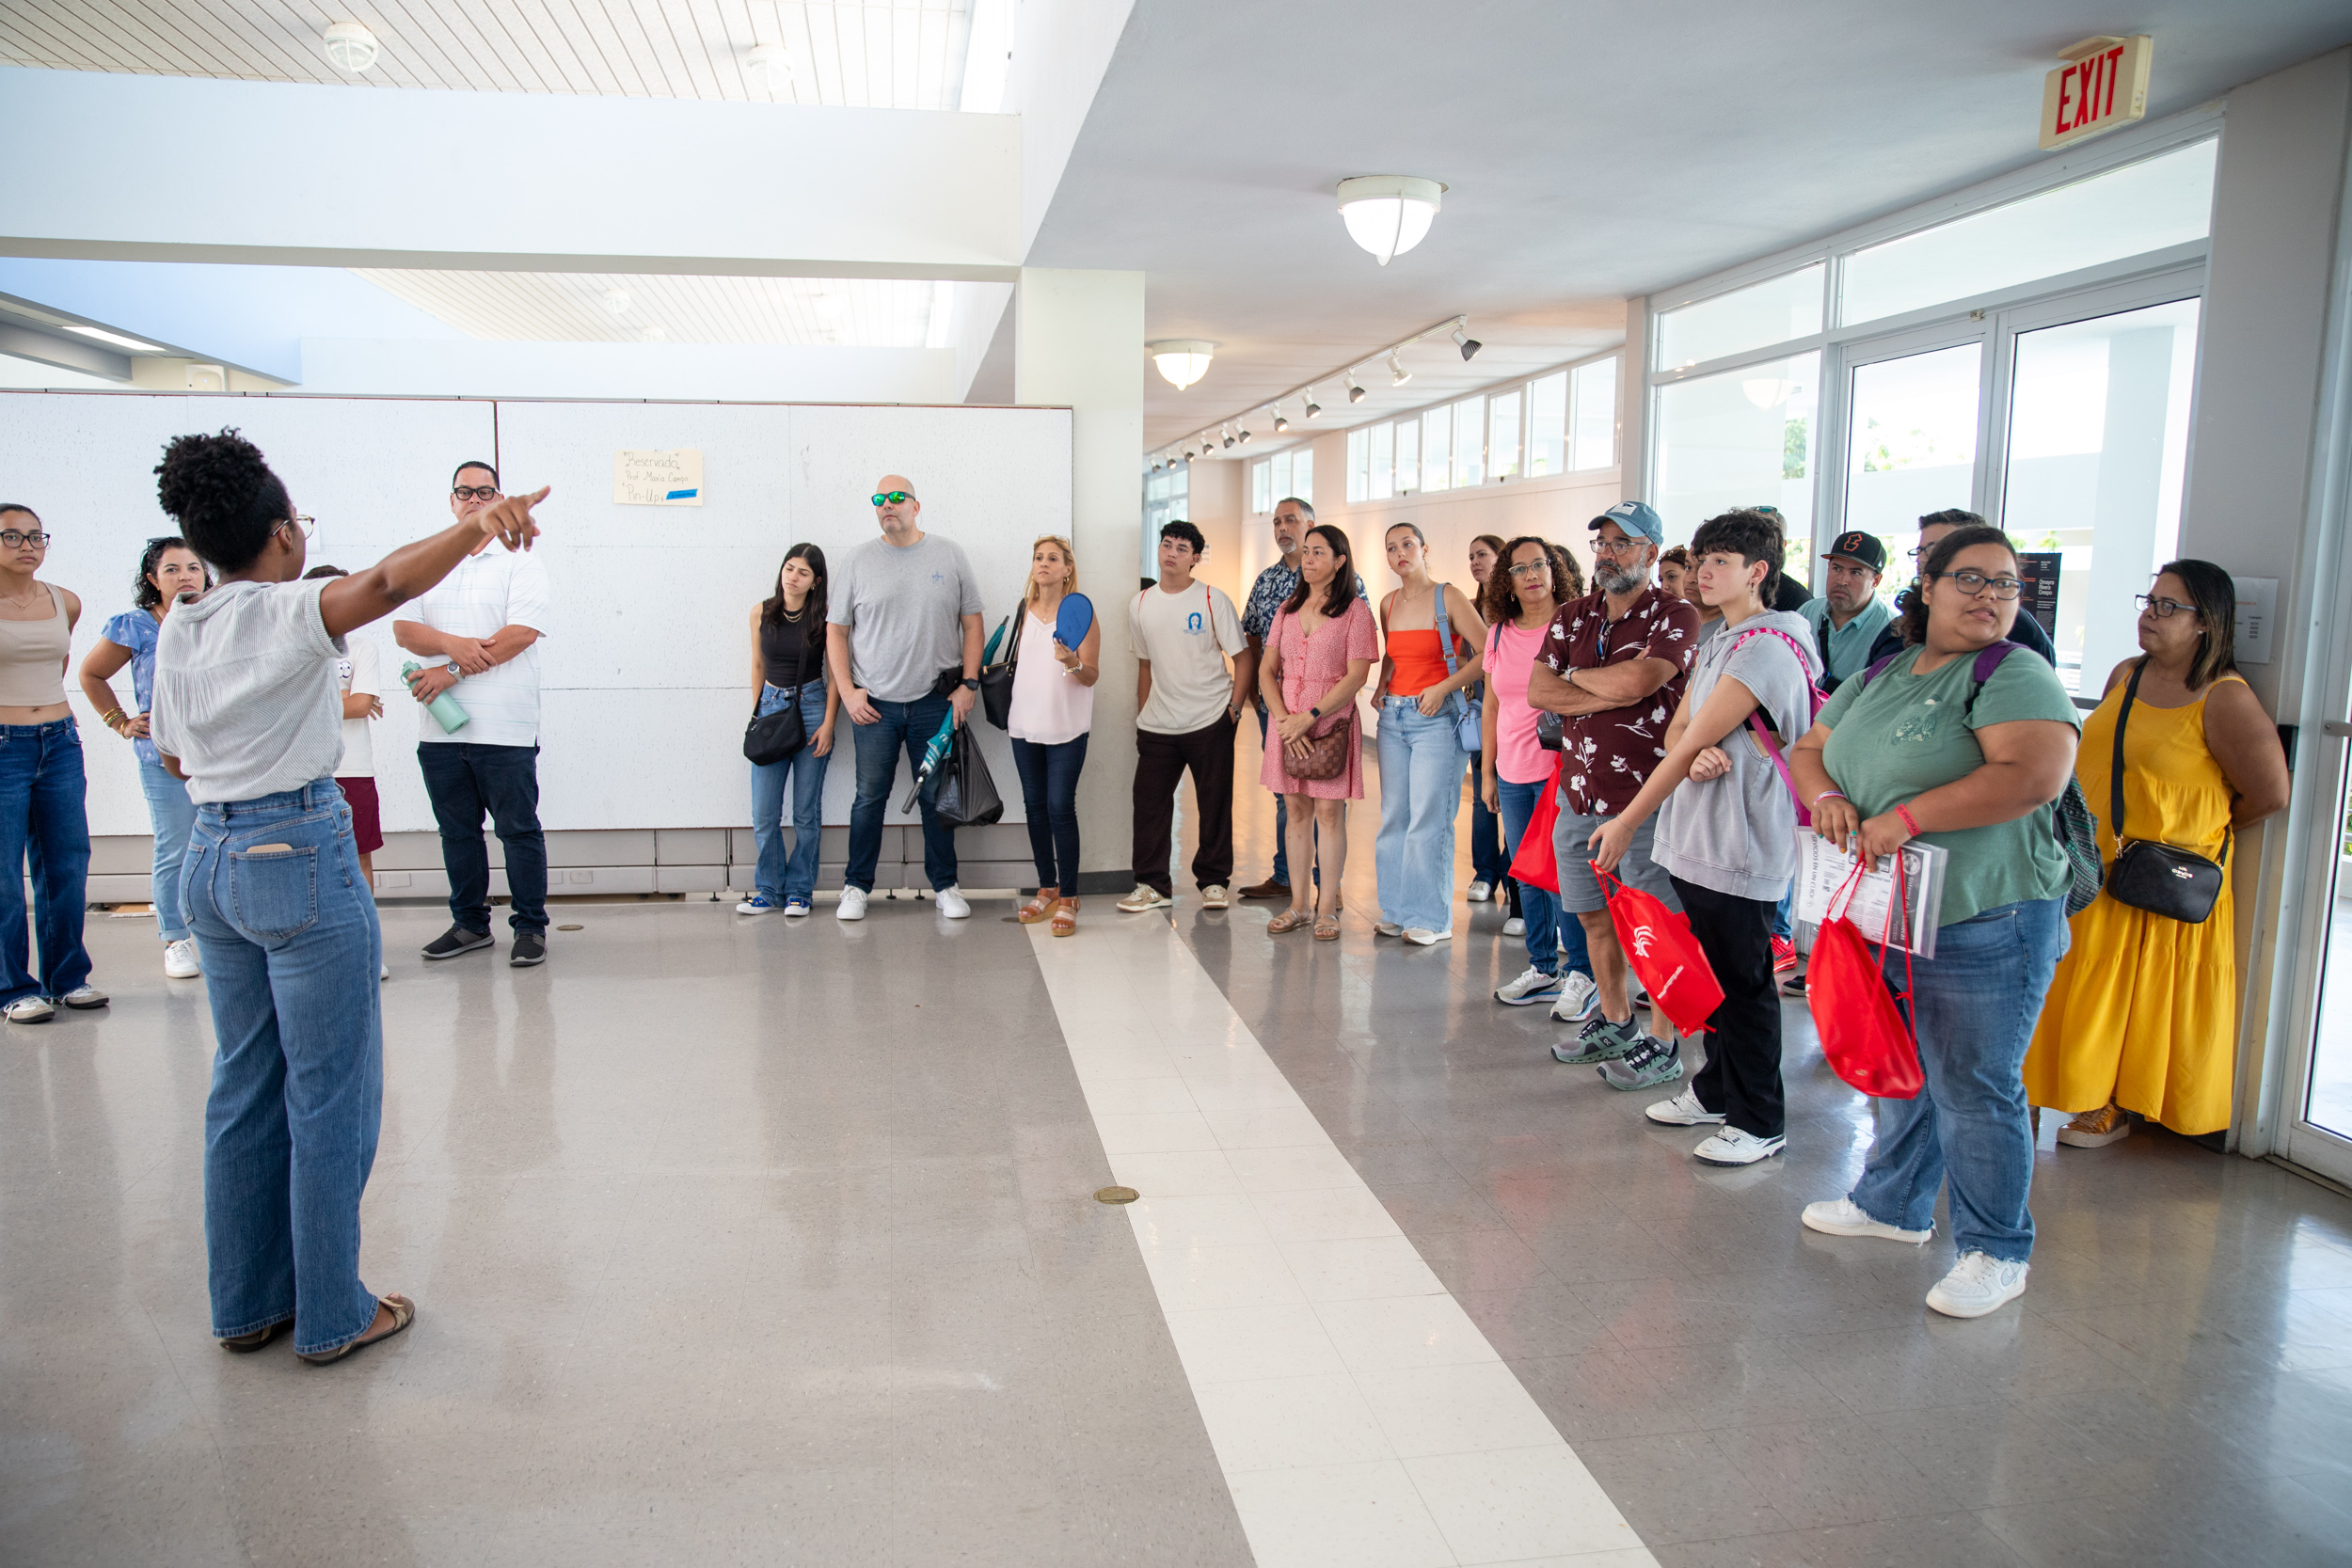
(1839, 700)
(2023, 687)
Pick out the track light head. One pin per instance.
(1281, 423)
(1467, 344)
(1229, 435)
(1354, 394)
(1398, 375)
(1244, 435)
(1314, 409)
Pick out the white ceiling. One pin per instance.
(862, 54)
(1594, 151)
(601, 307)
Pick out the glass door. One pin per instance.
(1911, 440)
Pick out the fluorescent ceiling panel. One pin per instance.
(609, 308)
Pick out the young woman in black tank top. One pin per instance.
(789, 666)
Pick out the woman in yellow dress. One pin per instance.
(2142, 1015)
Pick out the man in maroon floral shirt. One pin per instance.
(1614, 666)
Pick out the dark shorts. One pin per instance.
(367, 825)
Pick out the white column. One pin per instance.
(1079, 341)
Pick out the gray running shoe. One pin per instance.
(1650, 1063)
(1599, 1041)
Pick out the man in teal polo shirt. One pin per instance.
(1848, 616)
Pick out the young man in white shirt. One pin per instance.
(478, 632)
(1187, 702)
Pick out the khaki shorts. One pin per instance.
(1579, 890)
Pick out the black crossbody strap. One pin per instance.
(2115, 774)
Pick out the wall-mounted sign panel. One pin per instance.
(2103, 84)
(2257, 617)
(658, 478)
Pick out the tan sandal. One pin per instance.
(404, 1312)
(246, 1344)
(1327, 928)
(1065, 917)
(1037, 909)
(1289, 920)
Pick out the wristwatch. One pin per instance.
(970, 684)
(1314, 713)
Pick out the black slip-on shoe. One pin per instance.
(455, 941)
(528, 948)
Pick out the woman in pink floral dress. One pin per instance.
(1319, 652)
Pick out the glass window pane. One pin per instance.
(1911, 446)
(1470, 454)
(1594, 443)
(1742, 439)
(1547, 425)
(1437, 448)
(2098, 450)
(1503, 435)
(2140, 207)
(1384, 462)
(1758, 316)
(1261, 491)
(1407, 456)
(1302, 476)
(1281, 486)
(1359, 465)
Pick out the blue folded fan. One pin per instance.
(1073, 620)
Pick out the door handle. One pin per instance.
(2336, 727)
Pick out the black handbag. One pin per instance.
(774, 737)
(996, 680)
(966, 796)
(2162, 878)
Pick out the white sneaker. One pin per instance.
(83, 996)
(1214, 896)
(1732, 1147)
(1843, 1217)
(383, 973)
(795, 909)
(1420, 936)
(1515, 926)
(1529, 989)
(852, 904)
(180, 960)
(757, 904)
(1979, 1283)
(951, 903)
(1144, 898)
(28, 1009)
(1578, 997)
(1684, 1110)
(1386, 928)
(1479, 892)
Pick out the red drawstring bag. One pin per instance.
(1658, 944)
(1864, 1034)
(1533, 861)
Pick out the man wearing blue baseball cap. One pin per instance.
(1849, 616)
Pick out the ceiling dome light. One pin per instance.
(1389, 213)
(654, 334)
(1182, 360)
(1398, 375)
(616, 301)
(769, 65)
(1467, 344)
(1314, 409)
(1354, 394)
(351, 47)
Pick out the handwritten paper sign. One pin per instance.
(658, 478)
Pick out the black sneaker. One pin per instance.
(455, 941)
(1793, 985)
(528, 948)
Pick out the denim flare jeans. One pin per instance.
(1421, 789)
(785, 876)
(43, 826)
(287, 930)
(172, 816)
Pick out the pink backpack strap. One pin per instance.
(1764, 732)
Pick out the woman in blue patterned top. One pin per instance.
(169, 573)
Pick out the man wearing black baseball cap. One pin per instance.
(1849, 616)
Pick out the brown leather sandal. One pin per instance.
(1289, 920)
(246, 1344)
(1065, 917)
(404, 1312)
(1036, 911)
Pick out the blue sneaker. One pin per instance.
(757, 904)
(1529, 989)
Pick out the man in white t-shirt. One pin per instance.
(479, 633)
(1187, 699)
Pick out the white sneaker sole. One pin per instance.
(1675, 1119)
(1874, 1229)
(1755, 1154)
(1532, 999)
(1975, 1309)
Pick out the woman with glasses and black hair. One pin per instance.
(42, 820)
(1920, 748)
(788, 668)
(170, 573)
(1318, 655)
(2142, 1016)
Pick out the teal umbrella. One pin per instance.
(933, 755)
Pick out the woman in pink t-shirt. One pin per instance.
(1319, 652)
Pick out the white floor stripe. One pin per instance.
(1360, 1418)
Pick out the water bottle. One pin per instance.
(446, 709)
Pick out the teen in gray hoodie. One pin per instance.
(1726, 828)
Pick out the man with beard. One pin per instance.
(1614, 665)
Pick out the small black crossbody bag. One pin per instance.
(2162, 878)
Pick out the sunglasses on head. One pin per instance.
(895, 497)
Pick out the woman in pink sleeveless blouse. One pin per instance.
(1319, 652)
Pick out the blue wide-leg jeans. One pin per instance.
(783, 875)
(45, 829)
(172, 816)
(1421, 789)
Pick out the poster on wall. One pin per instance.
(672, 478)
(2039, 568)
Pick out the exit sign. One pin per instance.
(2104, 85)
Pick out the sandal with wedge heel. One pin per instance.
(1066, 917)
(1036, 912)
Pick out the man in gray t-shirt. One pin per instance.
(902, 644)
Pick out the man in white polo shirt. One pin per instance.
(478, 633)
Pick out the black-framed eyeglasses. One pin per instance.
(895, 497)
(13, 540)
(1974, 584)
(2165, 609)
(474, 492)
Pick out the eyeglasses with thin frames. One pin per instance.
(1973, 584)
(1618, 548)
(2164, 608)
(304, 524)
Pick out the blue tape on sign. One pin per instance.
(680, 495)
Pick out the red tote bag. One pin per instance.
(1864, 1034)
(1534, 864)
(1658, 944)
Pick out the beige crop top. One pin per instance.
(32, 658)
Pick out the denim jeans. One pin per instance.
(42, 824)
(1974, 1006)
(781, 878)
(1421, 789)
(1782, 926)
(287, 929)
(171, 815)
(907, 726)
(464, 781)
(1546, 932)
(1049, 797)
(1491, 862)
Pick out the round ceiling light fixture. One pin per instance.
(1389, 213)
(1182, 361)
(351, 47)
(616, 301)
(770, 64)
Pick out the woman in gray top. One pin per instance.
(1728, 835)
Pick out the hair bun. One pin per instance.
(210, 477)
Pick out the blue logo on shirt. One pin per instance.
(1192, 623)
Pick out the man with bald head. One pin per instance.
(902, 642)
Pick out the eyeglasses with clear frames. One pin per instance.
(1531, 569)
(1619, 549)
(2164, 609)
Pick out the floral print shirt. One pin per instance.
(1608, 756)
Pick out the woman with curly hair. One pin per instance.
(248, 711)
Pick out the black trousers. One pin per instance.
(463, 780)
(1160, 764)
(1741, 1078)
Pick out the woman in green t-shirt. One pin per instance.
(1917, 749)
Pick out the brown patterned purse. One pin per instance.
(1326, 749)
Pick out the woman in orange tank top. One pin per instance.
(1422, 757)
